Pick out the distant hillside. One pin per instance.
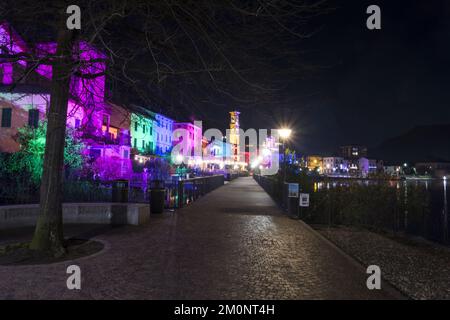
(422, 143)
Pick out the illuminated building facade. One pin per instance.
(27, 104)
(353, 152)
(188, 137)
(315, 163)
(233, 138)
(335, 166)
(163, 128)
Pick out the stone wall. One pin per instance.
(101, 213)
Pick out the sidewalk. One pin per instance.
(234, 243)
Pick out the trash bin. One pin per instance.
(157, 196)
(120, 191)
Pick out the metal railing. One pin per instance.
(189, 190)
(386, 206)
(179, 193)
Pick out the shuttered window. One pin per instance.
(6, 117)
(33, 118)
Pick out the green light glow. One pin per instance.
(30, 158)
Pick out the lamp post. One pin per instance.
(284, 136)
(291, 202)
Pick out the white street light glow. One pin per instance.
(284, 133)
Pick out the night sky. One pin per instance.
(369, 85)
(359, 86)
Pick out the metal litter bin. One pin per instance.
(157, 196)
(120, 191)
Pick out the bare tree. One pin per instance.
(178, 53)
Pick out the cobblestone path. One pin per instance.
(234, 243)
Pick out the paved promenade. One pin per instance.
(234, 243)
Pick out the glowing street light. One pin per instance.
(266, 152)
(179, 158)
(284, 133)
(254, 164)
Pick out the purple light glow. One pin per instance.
(87, 104)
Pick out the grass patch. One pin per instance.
(21, 254)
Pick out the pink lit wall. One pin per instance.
(188, 135)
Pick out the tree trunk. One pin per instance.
(48, 235)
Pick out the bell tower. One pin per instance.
(234, 135)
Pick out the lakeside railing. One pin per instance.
(419, 209)
(178, 192)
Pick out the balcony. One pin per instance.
(122, 138)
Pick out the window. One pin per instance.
(143, 128)
(151, 130)
(125, 154)
(135, 126)
(77, 123)
(135, 143)
(105, 120)
(95, 153)
(143, 144)
(151, 145)
(157, 135)
(33, 118)
(6, 117)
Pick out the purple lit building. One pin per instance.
(28, 103)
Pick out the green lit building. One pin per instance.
(142, 131)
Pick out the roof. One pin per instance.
(24, 88)
(142, 111)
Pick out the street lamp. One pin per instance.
(179, 158)
(292, 203)
(284, 134)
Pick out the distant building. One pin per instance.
(234, 135)
(216, 153)
(353, 167)
(163, 127)
(436, 169)
(393, 171)
(335, 165)
(314, 163)
(353, 152)
(269, 152)
(367, 167)
(187, 137)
